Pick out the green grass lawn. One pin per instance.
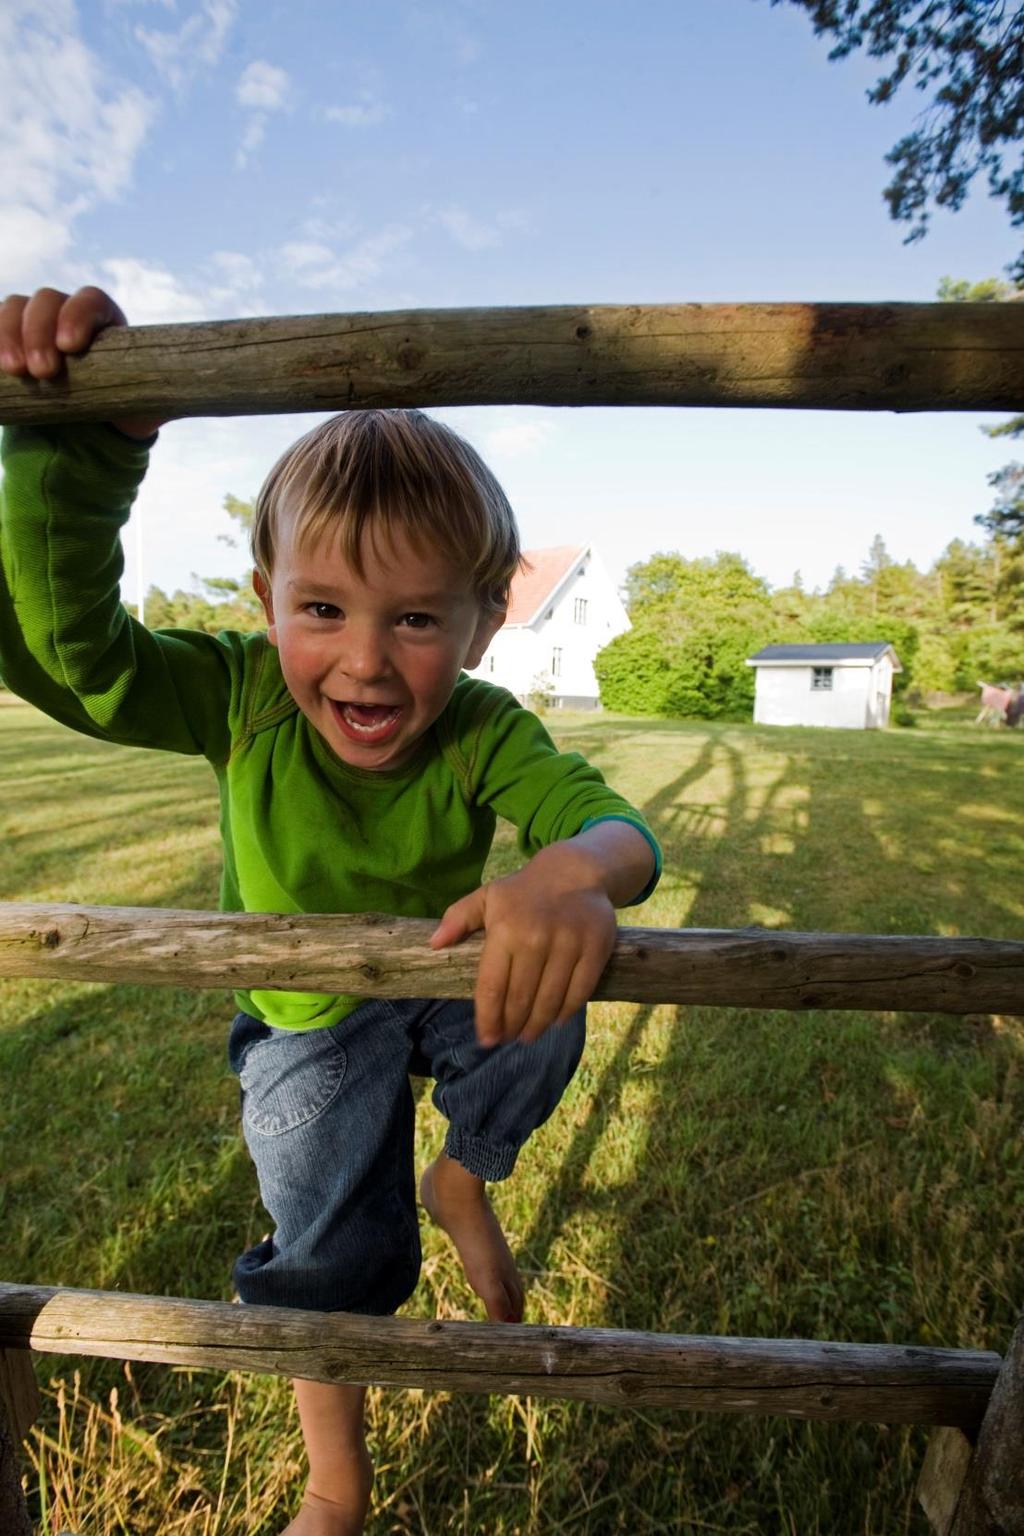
(827, 1175)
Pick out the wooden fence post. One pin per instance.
(942, 1477)
(992, 1500)
(19, 1408)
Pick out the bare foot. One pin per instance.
(457, 1201)
(323, 1517)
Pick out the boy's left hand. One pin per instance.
(549, 931)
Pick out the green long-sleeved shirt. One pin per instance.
(302, 831)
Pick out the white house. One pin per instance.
(845, 685)
(563, 608)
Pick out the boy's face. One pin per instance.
(372, 660)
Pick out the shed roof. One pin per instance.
(841, 653)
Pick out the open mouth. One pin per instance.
(370, 724)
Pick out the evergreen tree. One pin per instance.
(1006, 518)
(969, 54)
(968, 582)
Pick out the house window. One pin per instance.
(490, 663)
(821, 679)
(556, 661)
(579, 612)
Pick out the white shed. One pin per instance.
(847, 685)
(563, 608)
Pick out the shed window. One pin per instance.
(821, 679)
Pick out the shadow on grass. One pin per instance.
(773, 1194)
(793, 1172)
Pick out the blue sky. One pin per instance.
(207, 158)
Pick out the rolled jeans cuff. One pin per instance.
(479, 1156)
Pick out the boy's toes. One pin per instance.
(503, 1303)
(515, 1307)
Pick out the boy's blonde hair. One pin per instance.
(388, 472)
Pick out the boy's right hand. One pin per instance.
(37, 333)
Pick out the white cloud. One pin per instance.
(252, 138)
(319, 227)
(303, 254)
(69, 134)
(197, 43)
(227, 286)
(264, 86)
(467, 231)
(317, 266)
(152, 295)
(31, 246)
(361, 114)
(513, 439)
(238, 272)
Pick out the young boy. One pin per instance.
(359, 770)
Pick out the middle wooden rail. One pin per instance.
(375, 956)
(799, 1378)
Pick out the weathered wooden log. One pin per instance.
(377, 956)
(20, 1399)
(19, 1405)
(992, 1500)
(802, 1379)
(942, 1476)
(14, 1516)
(848, 357)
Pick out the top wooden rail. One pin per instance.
(372, 955)
(840, 357)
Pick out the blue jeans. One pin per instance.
(328, 1119)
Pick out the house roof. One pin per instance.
(845, 652)
(535, 586)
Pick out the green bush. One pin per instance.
(633, 674)
(679, 670)
(988, 653)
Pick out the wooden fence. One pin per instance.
(902, 357)
(835, 357)
(974, 1395)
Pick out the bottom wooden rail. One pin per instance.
(802, 1379)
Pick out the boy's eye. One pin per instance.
(417, 620)
(324, 610)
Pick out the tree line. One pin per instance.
(695, 623)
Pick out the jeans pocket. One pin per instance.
(289, 1080)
